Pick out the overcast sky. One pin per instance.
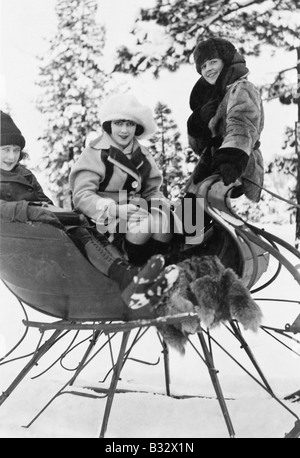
(27, 26)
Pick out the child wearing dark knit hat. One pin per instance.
(17, 182)
(10, 134)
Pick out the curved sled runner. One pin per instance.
(43, 268)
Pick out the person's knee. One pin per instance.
(161, 225)
(139, 231)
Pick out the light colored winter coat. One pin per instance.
(102, 170)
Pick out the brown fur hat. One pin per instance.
(214, 292)
(213, 48)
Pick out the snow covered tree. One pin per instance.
(270, 209)
(289, 164)
(166, 148)
(166, 35)
(73, 83)
(284, 171)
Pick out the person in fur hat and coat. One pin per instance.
(19, 189)
(227, 120)
(116, 180)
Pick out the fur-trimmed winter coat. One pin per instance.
(21, 184)
(103, 170)
(237, 123)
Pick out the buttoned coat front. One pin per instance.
(103, 174)
(21, 184)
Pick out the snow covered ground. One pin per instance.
(148, 413)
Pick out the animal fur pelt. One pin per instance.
(211, 290)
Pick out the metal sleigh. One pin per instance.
(34, 257)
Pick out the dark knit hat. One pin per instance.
(213, 48)
(10, 134)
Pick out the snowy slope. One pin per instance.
(148, 412)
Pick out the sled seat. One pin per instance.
(43, 268)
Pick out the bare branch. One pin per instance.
(287, 69)
(225, 11)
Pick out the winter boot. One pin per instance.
(157, 247)
(107, 259)
(137, 254)
(153, 294)
(99, 251)
(140, 287)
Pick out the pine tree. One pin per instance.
(73, 84)
(269, 209)
(166, 149)
(290, 164)
(283, 170)
(165, 35)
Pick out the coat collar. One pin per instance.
(244, 77)
(18, 170)
(130, 166)
(118, 158)
(19, 175)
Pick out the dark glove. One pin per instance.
(229, 173)
(15, 211)
(230, 163)
(23, 212)
(197, 123)
(208, 110)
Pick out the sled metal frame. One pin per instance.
(105, 328)
(109, 330)
(218, 206)
(263, 383)
(289, 329)
(295, 431)
(286, 332)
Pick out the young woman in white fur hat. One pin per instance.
(114, 181)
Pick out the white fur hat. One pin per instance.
(126, 106)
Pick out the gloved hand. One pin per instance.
(229, 173)
(197, 124)
(22, 212)
(230, 163)
(208, 110)
(126, 212)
